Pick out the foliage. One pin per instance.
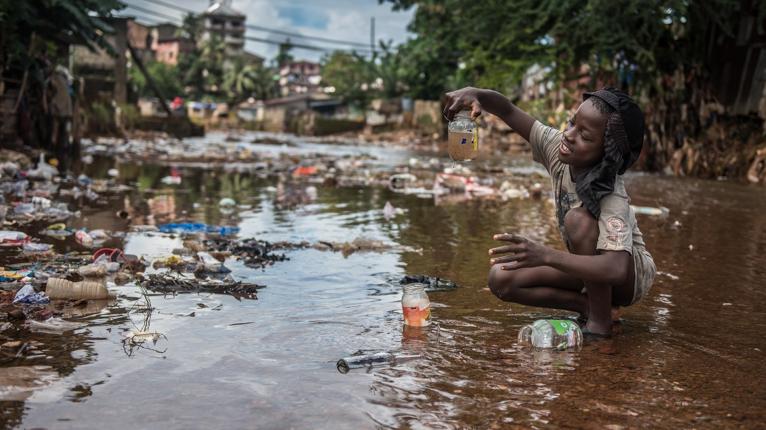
(242, 81)
(351, 74)
(203, 68)
(165, 77)
(51, 22)
(283, 56)
(492, 43)
(358, 80)
(191, 27)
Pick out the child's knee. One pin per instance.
(581, 228)
(501, 283)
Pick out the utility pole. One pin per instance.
(372, 34)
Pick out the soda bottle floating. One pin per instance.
(551, 334)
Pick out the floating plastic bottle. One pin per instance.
(551, 334)
(416, 306)
(58, 288)
(661, 211)
(372, 360)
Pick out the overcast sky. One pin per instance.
(347, 20)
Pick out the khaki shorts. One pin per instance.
(645, 273)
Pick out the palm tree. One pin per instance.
(243, 81)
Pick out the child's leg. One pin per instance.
(538, 286)
(582, 230)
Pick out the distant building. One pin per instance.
(168, 51)
(299, 77)
(167, 43)
(164, 31)
(226, 23)
(140, 38)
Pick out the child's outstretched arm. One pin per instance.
(478, 100)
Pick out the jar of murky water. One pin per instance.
(463, 138)
(416, 306)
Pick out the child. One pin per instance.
(607, 264)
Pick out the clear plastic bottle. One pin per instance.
(416, 306)
(551, 334)
(463, 138)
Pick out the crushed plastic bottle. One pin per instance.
(551, 334)
(83, 238)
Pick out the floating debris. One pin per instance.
(170, 282)
(432, 283)
(253, 253)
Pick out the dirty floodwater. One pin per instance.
(689, 355)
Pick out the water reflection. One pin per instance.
(260, 361)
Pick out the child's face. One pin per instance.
(582, 143)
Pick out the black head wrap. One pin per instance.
(623, 139)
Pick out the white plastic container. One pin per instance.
(58, 289)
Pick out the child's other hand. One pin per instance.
(521, 252)
(462, 99)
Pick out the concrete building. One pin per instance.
(226, 23)
(168, 51)
(299, 77)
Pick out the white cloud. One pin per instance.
(348, 20)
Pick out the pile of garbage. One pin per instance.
(421, 177)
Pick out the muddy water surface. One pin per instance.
(689, 355)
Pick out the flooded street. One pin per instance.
(689, 355)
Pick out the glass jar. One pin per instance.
(415, 305)
(463, 137)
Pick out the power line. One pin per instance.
(267, 29)
(175, 20)
(152, 12)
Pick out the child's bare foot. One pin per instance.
(616, 314)
(595, 329)
(582, 319)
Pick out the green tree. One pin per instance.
(492, 43)
(165, 77)
(191, 27)
(60, 22)
(389, 68)
(203, 70)
(351, 74)
(242, 81)
(283, 56)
